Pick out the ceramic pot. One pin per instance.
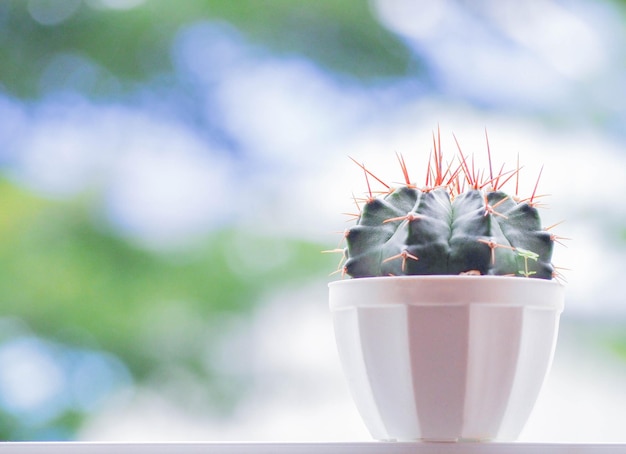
(445, 358)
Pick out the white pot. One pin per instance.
(445, 358)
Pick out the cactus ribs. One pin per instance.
(459, 222)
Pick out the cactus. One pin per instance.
(459, 222)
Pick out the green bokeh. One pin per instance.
(134, 45)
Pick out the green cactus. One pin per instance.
(459, 222)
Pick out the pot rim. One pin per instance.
(446, 290)
(453, 278)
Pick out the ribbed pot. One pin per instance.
(445, 358)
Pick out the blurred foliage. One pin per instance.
(78, 283)
(60, 428)
(75, 282)
(133, 45)
(620, 347)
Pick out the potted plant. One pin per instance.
(447, 329)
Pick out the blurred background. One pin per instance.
(170, 172)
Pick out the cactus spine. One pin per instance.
(459, 222)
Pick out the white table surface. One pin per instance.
(310, 448)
